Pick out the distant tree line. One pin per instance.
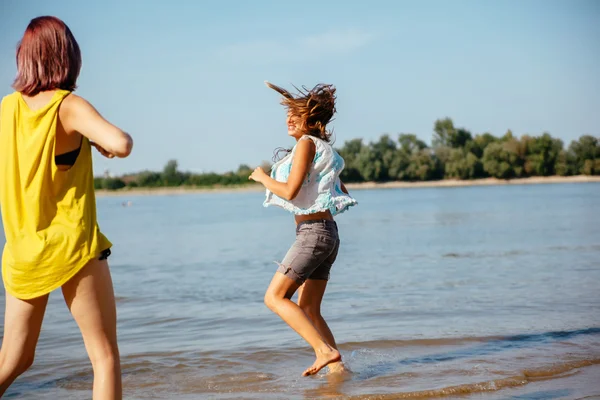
(172, 177)
(455, 153)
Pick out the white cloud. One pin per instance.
(264, 51)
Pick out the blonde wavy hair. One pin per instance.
(314, 108)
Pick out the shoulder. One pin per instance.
(308, 139)
(304, 150)
(319, 143)
(74, 105)
(10, 96)
(73, 101)
(9, 102)
(311, 141)
(306, 144)
(14, 96)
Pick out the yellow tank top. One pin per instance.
(49, 216)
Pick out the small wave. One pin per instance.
(494, 340)
(527, 376)
(494, 346)
(389, 344)
(410, 364)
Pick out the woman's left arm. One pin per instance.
(303, 158)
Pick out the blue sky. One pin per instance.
(185, 78)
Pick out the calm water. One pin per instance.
(484, 292)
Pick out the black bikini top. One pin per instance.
(67, 158)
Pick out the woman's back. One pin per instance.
(49, 209)
(49, 214)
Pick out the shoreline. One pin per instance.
(536, 180)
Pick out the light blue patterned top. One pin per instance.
(321, 190)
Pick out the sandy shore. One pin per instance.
(477, 182)
(356, 186)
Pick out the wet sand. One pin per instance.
(551, 365)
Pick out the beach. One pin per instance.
(165, 191)
(482, 292)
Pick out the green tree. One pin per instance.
(455, 154)
(351, 148)
(98, 183)
(409, 143)
(113, 184)
(496, 161)
(463, 165)
(445, 134)
(244, 169)
(479, 143)
(591, 167)
(374, 161)
(542, 155)
(149, 179)
(171, 176)
(507, 136)
(411, 149)
(443, 131)
(349, 152)
(503, 160)
(517, 150)
(443, 154)
(424, 166)
(583, 155)
(399, 165)
(369, 165)
(461, 138)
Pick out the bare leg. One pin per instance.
(22, 325)
(90, 298)
(310, 296)
(278, 300)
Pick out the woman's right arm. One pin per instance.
(78, 115)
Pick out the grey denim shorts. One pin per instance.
(313, 253)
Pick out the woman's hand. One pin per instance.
(303, 157)
(258, 175)
(102, 150)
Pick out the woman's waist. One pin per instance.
(36, 250)
(321, 216)
(74, 226)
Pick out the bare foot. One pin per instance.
(338, 368)
(323, 359)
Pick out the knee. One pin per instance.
(273, 300)
(104, 356)
(270, 301)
